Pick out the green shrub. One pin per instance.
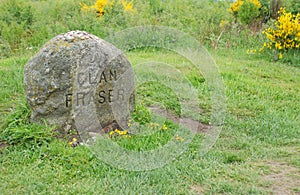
(283, 36)
(248, 12)
(292, 6)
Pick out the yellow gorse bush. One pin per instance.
(285, 35)
(234, 7)
(101, 5)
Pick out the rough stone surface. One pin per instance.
(79, 81)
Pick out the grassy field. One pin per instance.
(257, 152)
(258, 149)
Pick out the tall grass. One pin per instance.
(25, 25)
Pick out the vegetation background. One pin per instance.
(258, 151)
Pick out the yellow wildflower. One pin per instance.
(278, 46)
(98, 7)
(181, 139)
(129, 123)
(152, 125)
(251, 51)
(223, 23)
(164, 127)
(128, 6)
(84, 7)
(118, 132)
(123, 132)
(74, 142)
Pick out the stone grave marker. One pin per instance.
(79, 81)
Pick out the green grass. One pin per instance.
(261, 129)
(258, 150)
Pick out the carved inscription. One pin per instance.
(83, 99)
(90, 78)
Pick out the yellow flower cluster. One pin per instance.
(74, 142)
(234, 7)
(101, 5)
(118, 132)
(285, 34)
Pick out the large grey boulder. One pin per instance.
(79, 81)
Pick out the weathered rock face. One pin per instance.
(78, 80)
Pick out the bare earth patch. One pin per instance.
(3, 145)
(194, 125)
(197, 189)
(284, 179)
